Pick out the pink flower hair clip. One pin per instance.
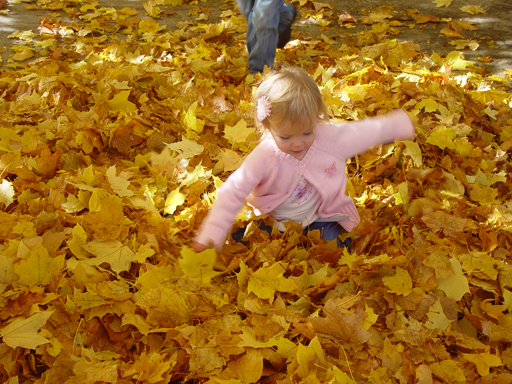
(263, 108)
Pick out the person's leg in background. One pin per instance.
(245, 7)
(262, 34)
(287, 14)
(269, 27)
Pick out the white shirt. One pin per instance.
(302, 207)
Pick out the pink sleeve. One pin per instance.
(357, 137)
(230, 199)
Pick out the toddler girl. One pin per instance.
(297, 171)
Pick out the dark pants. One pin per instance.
(329, 230)
(266, 20)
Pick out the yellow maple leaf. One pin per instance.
(24, 228)
(443, 138)
(305, 355)
(442, 3)
(305, 280)
(39, 268)
(153, 367)
(455, 60)
(146, 204)
(450, 32)
(199, 173)
(198, 265)
(23, 35)
(371, 317)
(55, 348)
(491, 113)
(348, 259)
(449, 371)
(88, 175)
(22, 52)
(456, 285)
(72, 205)
(165, 306)
(201, 65)
(119, 184)
(94, 203)
(462, 44)
(437, 318)
(463, 25)
(143, 253)
(484, 195)
(78, 239)
(238, 133)
(22, 332)
(465, 148)
(231, 159)
(401, 283)
(151, 10)
(192, 123)
(186, 148)
(152, 278)
(348, 327)
(353, 93)
(402, 195)
(480, 262)
(376, 17)
(413, 149)
(430, 105)
(7, 275)
(439, 221)
(137, 321)
(120, 102)
(485, 96)
(248, 368)
(285, 347)
(472, 9)
(501, 331)
(149, 26)
(507, 298)
(265, 281)
(173, 200)
(112, 252)
(483, 361)
(107, 223)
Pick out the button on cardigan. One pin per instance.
(268, 176)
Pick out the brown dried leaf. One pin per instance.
(48, 163)
(346, 327)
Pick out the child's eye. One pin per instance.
(308, 133)
(284, 137)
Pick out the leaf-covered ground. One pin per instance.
(111, 152)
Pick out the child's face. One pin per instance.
(293, 142)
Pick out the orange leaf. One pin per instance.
(348, 327)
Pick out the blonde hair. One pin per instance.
(295, 100)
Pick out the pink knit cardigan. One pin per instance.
(268, 176)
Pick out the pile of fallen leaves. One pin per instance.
(112, 148)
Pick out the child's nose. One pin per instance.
(297, 142)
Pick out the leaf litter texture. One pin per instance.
(112, 149)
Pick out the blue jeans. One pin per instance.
(265, 19)
(329, 230)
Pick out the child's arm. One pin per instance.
(230, 200)
(357, 137)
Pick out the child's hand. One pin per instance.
(198, 247)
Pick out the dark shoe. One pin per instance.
(287, 15)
